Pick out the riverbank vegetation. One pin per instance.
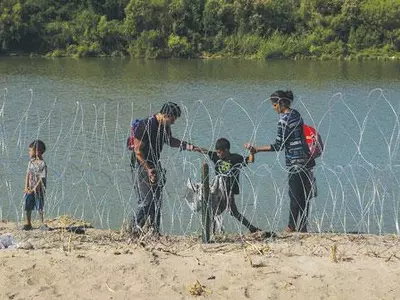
(261, 29)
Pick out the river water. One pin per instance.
(82, 108)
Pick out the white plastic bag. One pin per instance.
(7, 241)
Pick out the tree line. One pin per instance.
(262, 29)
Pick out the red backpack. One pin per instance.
(313, 140)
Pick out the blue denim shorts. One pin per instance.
(33, 202)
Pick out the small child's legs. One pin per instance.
(41, 216)
(29, 206)
(28, 214)
(218, 207)
(235, 212)
(33, 202)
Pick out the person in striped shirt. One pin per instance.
(290, 138)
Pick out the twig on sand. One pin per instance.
(69, 242)
(110, 289)
(224, 248)
(334, 253)
(173, 252)
(253, 265)
(260, 251)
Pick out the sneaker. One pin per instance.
(27, 227)
(76, 229)
(254, 229)
(268, 234)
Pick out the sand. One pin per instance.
(104, 264)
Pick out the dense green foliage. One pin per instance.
(194, 28)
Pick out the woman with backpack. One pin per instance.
(299, 162)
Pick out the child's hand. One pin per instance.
(252, 149)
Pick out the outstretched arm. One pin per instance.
(277, 146)
(254, 149)
(201, 150)
(183, 145)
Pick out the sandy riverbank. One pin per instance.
(102, 264)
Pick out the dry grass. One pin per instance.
(338, 248)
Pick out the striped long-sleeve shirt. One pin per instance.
(291, 138)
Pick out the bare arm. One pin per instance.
(264, 148)
(278, 146)
(26, 189)
(254, 149)
(201, 150)
(151, 173)
(138, 148)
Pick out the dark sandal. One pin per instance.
(27, 227)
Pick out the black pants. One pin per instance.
(238, 216)
(149, 198)
(229, 201)
(300, 183)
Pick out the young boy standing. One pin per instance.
(35, 183)
(228, 165)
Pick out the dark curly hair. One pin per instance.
(283, 98)
(171, 109)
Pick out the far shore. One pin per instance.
(216, 56)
